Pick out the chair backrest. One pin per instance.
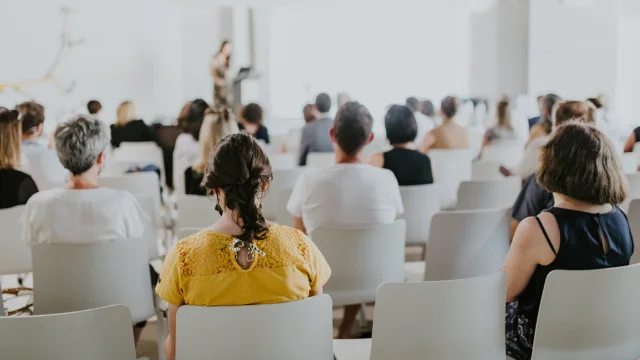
(79, 277)
(196, 211)
(459, 319)
(464, 244)
(589, 315)
(633, 191)
(450, 167)
(508, 153)
(283, 217)
(361, 260)
(15, 256)
(150, 235)
(187, 231)
(286, 331)
(321, 159)
(634, 222)
(143, 153)
(138, 184)
(282, 161)
(117, 168)
(420, 204)
(282, 179)
(485, 169)
(97, 334)
(629, 162)
(488, 194)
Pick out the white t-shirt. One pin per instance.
(531, 157)
(63, 216)
(44, 166)
(346, 196)
(425, 124)
(185, 154)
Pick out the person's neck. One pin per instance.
(565, 202)
(407, 145)
(447, 120)
(30, 137)
(85, 181)
(342, 158)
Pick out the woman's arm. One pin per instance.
(631, 142)
(298, 224)
(170, 343)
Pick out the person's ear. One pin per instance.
(332, 134)
(371, 136)
(101, 158)
(39, 129)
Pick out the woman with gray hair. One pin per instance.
(82, 212)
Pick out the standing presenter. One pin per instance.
(219, 68)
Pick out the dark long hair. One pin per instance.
(228, 59)
(240, 168)
(193, 119)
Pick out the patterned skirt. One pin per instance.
(519, 333)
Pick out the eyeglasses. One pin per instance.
(8, 116)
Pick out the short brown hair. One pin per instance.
(582, 111)
(449, 106)
(581, 163)
(32, 116)
(352, 127)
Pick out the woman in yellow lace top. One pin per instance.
(241, 259)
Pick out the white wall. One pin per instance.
(379, 54)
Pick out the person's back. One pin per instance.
(346, 196)
(192, 182)
(315, 134)
(450, 135)
(409, 166)
(16, 188)
(133, 131)
(66, 216)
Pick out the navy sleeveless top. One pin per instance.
(581, 248)
(410, 167)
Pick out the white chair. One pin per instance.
(196, 211)
(321, 160)
(97, 334)
(464, 244)
(460, 319)
(485, 169)
(138, 184)
(287, 331)
(282, 179)
(117, 168)
(450, 167)
(79, 277)
(488, 194)
(589, 315)
(15, 256)
(282, 161)
(634, 222)
(629, 162)
(633, 191)
(142, 153)
(361, 260)
(283, 217)
(420, 204)
(509, 153)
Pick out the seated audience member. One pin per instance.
(252, 122)
(538, 136)
(254, 261)
(216, 125)
(42, 163)
(315, 134)
(448, 135)
(94, 108)
(349, 194)
(186, 148)
(293, 137)
(82, 212)
(584, 230)
(533, 198)
(129, 129)
(410, 166)
(423, 121)
(534, 120)
(503, 129)
(16, 187)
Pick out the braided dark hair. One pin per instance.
(240, 168)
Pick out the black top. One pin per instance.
(261, 134)
(16, 188)
(410, 167)
(192, 181)
(636, 132)
(532, 200)
(580, 249)
(133, 131)
(533, 121)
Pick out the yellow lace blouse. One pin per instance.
(202, 270)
